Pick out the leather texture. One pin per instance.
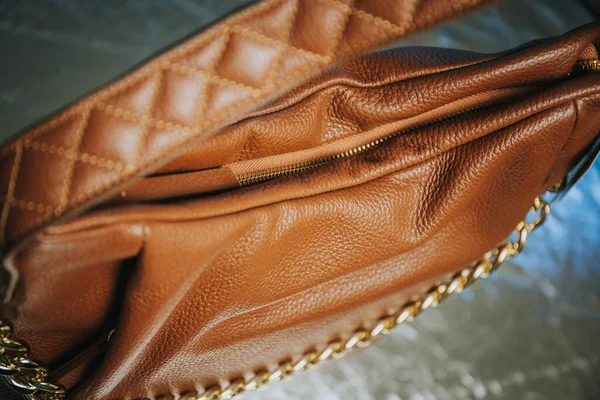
(205, 284)
(80, 156)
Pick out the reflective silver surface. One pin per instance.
(532, 331)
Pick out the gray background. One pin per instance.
(532, 331)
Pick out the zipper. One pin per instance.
(439, 115)
(254, 171)
(583, 66)
(249, 178)
(16, 372)
(588, 65)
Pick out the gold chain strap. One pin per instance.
(363, 337)
(22, 374)
(30, 378)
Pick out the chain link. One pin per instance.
(25, 376)
(29, 378)
(363, 337)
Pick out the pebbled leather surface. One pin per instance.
(320, 239)
(531, 329)
(140, 122)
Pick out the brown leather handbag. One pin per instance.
(213, 221)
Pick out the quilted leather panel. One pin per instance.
(142, 121)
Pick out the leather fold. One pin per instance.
(205, 282)
(88, 152)
(220, 229)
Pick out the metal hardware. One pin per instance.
(29, 378)
(363, 337)
(580, 67)
(586, 65)
(25, 376)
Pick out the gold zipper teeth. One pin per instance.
(252, 178)
(588, 65)
(585, 66)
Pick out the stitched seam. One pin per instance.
(259, 37)
(282, 49)
(291, 22)
(14, 173)
(184, 69)
(69, 154)
(133, 79)
(145, 71)
(52, 124)
(195, 132)
(66, 187)
(149, 69)
(130, 172)
(347, 10)
(375, 20)
(28, 205)
(436, 154)
(156, 88)
(206, 92)
(132, 116)
(273, 71)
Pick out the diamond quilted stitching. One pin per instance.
(87, 178)
(292, 60)
(72, 159)
(63, 136)
(180, 97)
(47, 168)
(272, 20)
(137, 98)
(160, 137)
(223, 98)
(400, 15)
(359, 28)
(318, 26)
(316, 33)
(207, 55)
(234, 64)
(103, 131)
(429, 11)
